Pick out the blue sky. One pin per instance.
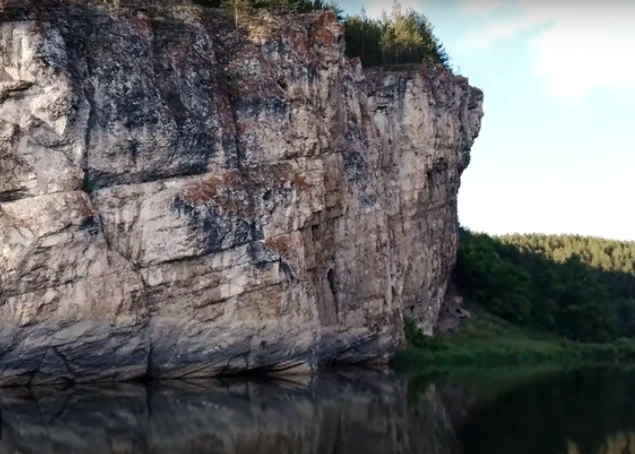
(556, 153)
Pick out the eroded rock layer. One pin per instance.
(181, 198)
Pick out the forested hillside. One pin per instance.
(580, 287)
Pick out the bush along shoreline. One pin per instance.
(536, 299)
(487, 342)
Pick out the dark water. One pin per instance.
(590, 411)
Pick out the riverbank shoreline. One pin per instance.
(488, 341)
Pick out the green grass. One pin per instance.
(489, 341)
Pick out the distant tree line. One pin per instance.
(579, 287)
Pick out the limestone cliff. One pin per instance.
(181, 198)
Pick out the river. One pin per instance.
(588, 411)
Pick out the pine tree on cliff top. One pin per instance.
(397, 38)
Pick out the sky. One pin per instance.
(556, 151)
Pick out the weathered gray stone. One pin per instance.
(179, 198)
(365, 413)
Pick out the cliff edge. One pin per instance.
(181, 198)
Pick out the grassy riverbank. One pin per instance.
(486, 340)
(536, 299)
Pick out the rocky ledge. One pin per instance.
(183, 198)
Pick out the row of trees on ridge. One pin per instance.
(398, 37)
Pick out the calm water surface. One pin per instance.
(587, 411)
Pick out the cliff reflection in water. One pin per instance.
(333, 413)
(581, 412)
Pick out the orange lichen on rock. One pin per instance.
(326, 29)
(209, 189)
(281, 244)
(300, 182)
(203, 191)
(325, 19)
(323, 36)
(232, 178)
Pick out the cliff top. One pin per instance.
(261, 26)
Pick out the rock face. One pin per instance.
(181, 198)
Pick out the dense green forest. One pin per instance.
(581, 288)
(399, 37)
(396, 38)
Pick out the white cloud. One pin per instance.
(479, 7)
(584, 44)
(494, 31)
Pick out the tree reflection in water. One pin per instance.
(588, 411)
